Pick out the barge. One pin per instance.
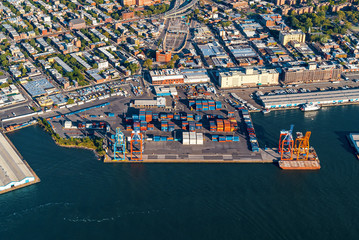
(312, 163)
(354, 142)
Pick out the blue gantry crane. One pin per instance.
(119, 148)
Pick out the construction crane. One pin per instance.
(119, 148)
(286, 143)
(301, 146)
(136, 146)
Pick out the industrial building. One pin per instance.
(322, 97)
(247, 77)
(170, 76)
(165, 91)
(162, 56)
(39, 87)
(292, 35)
(166, 76)
(195, 75)
(13, 171)
(311, 73)
(146, 103)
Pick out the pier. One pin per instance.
(14, 171)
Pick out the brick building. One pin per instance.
(77, 23)
(162, 56)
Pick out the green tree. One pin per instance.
(148, 63)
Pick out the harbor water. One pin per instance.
(80, 197)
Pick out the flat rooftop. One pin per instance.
(322, 97)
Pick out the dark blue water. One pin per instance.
(82, 198)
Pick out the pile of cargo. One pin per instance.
(223, 125)
(228, 138)
(250, 130)
(191, 126)
(205, 105)
(167, 126)
(192, 138)
(140, 126)
(162, 139)
(148, 116)
(18, 126)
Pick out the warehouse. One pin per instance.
(165, 91)
(166, 76)
(247, 77)
(158, 102)
(323, 97)
(311, 73)
(169, 76)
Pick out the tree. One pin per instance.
(70, 101)
(148, 63)
(133, 67)
(176, 57)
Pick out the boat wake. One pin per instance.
(105, 219)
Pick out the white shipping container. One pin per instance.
(185, 141)
(192, 135)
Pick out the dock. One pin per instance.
(263, 156)
(15, 173)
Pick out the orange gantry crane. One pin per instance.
(288, 148)
(301, 146)
(136, 144)
(286, 144)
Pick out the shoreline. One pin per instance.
(99, 157)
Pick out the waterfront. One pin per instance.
(82, 198)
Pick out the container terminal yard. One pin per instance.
(183, 124)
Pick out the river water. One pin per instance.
(79, 197)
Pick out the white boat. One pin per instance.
(309, 107)
(265, 111)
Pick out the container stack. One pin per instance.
(136, 126)
(191, 126)
(184, 125)
(228, 138)
(205, 105)
(192, 138)
(212, 126)
(185, 138)
(148, 116)
(223, 125)
(142, 115)
(171, 126)
(250, 129)
(164, 126)
(143, 126)
(199, 138)
(189, 116)
(162, 139)
(150, 127)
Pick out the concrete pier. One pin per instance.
(14, 172)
